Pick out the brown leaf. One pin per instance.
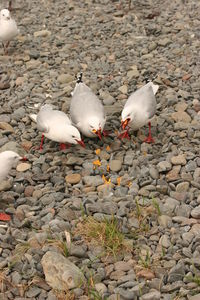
(153, 15)
(186, 77)
(4, 85)
(167, 82)
(145, 273)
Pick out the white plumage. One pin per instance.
(8, 28)
(56, 126)
(8, 160)
(87, 111)
(140, 107)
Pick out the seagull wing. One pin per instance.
(85, 103)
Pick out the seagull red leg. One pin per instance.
(4, 217)
(149, 139)
(106, 133)
(124, 135)
(42, 142)
(64, 146)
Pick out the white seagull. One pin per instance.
(8, 160)
(56, 126)
(139, 109)
(8, 28)
(87, 111)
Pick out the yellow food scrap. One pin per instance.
(98, 151)
(108, 148)
(105, 180)
(118, 180)
(97, 163)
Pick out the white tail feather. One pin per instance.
(155, 87)
(33, 117)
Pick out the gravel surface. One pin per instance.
(153, 189)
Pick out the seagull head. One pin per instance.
(74, 137)
(12, 158)
(5, 14)
(127, 117)
(95, 126)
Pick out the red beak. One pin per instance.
(124, 124)
(23, 159)
(80, 142)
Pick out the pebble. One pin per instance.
(62, 188)
(73, 178)
(60, 272)
(164, 166)
(154, 295)
(195, 213)
(22, 167)
(115, 165)
(164, 241)
(178, 160)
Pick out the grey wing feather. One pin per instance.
(151, 104)
(84, 102)
(41, 125)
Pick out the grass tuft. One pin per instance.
(105, 233)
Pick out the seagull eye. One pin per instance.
(73, 136)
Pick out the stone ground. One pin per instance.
(156, 200)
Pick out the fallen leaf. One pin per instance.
(97, 163)
(108, 148)
(147, 274)
(167, 82)
(4, 217)
(118, 180)
(186, 77)
(153, 15)
(105, 180)
(97, 151)
(108, 168)
(4, 85)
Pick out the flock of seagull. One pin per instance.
(87, 115)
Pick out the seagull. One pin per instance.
(8, 160)
(87, 111)
(56, 126)
(139, 109)
(8, 28)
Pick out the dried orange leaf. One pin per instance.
(108, 168)
(186, 77)
(105, 180)
(108, 148)
(98, 151)
(147, 274)
(97, 162)
(118, 180)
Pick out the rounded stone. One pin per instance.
(115, 165)
(23, 167)
(73, 178)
